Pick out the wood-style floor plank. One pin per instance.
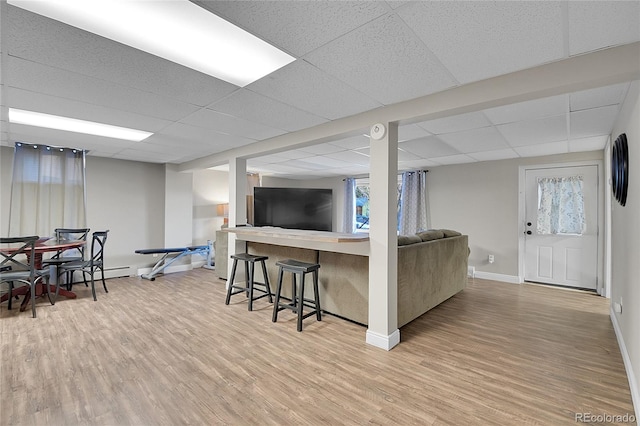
(169, 352)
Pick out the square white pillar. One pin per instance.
(383, 239)
(237, 210)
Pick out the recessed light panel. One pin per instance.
(177, 30)
(30, 118)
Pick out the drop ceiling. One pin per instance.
(351, 57)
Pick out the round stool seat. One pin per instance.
(249, 287)
(298, 302)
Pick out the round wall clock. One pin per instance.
(620, 169)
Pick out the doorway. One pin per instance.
(561, 243)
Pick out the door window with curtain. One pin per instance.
(47, 190)
(561, 206)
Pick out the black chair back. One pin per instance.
(71, 234)
(16, 247)
(98, 241)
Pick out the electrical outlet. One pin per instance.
(491, 258)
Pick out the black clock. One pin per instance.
(620, 169)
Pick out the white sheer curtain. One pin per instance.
(349, 205)
(413, 203)
(47, 190)
(560, 206)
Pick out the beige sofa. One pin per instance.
(432, 267)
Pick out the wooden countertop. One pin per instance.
(318, 240)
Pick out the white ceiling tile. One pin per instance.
(46, 41)
(294, 154)
(594, 143)
(499, 154)
(521, 133)
(38, 102)
(217, 141)
(428, 147)
(602, 96)
(270, 159)
(353, 142)
(297, 27)
(530, 110)
(55, 82)
(477, 40)
(308, 164)
(403, 155)
(305, 87)
(411, 131)
(597, 24)
(328, 162)
(321, 149)
(453, 159)
(456, 123)
(475, 140)
(225, 123)
(351, 157)
(256, 107)
(552, 148)
(145, 156)
(593, 122)
(416, 72)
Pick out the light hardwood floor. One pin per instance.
(169, 352)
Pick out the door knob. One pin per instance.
(528, 232)
(528, 223)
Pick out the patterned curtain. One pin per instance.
(349, 205)
(560, 206)
(47, 190)
(413, 203)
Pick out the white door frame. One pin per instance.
(602, 287)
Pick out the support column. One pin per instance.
(237, 209)
(383, 239)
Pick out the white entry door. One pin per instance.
(561, 236)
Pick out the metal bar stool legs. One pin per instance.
(298, 302)
(249, 287)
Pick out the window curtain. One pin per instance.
(349, 205)
(253, 180)
(47, 190)
(560, 206)
(413, 203)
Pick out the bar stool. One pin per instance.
(249, 267)
(297, 303)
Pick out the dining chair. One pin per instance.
(70, 255)
(91, 266)
(17, 264)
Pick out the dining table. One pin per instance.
(43, 246)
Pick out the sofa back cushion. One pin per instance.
(433, 234)
(405, 240)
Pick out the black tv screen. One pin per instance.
(293, 208)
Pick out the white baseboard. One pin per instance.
(117, 272)
(382, 341)
(512, 279)
(168, 270)
(471, 271)
(633, 384)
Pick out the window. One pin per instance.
(362, 203)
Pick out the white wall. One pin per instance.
(336, 184)
(126, 197)
(625, 245)
(210, 188)
(481, 200)
(6, 160)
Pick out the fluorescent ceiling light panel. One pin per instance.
(177, 30)
(38, 119)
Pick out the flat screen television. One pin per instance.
(293, 208)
